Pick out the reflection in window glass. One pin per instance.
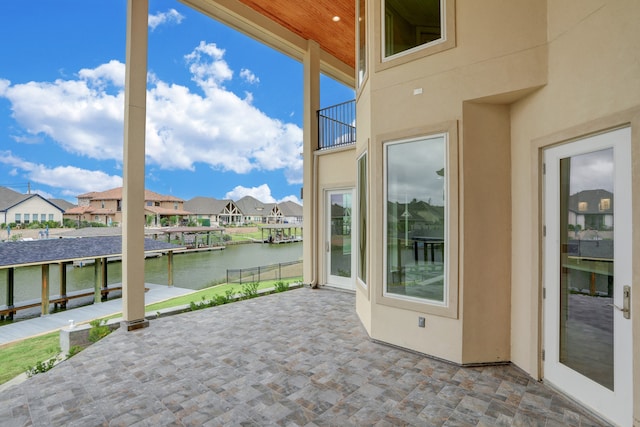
(362, 218)
(415, 218)
(587, 265)
(408, 24)
(362, 40)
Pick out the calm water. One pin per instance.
(191, 270)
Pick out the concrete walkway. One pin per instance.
(300, 357)
(52, 322)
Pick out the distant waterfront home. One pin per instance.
(591, 210)
(106, 207)
(253, 210)
(291, 212)
(214, 211)
(24, 209)
(247, 210)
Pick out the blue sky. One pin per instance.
(224, 112)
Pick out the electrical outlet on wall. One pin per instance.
(421, 322)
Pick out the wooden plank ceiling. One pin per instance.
(314, 20)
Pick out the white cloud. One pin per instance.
(73, 180)
(170, 16)
(249, 77)
(44, 194)
(112, 72)
(83, 119)
(207, 67)
(290, 198)
(184, 129)
(262, 193)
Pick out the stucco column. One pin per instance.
(311, 104)
(133, 165)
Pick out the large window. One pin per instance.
(362, 219)
(415, 214)
(362, 40)
(410, 24)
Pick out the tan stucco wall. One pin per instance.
(594, 84)
(496, 66)
(336, 171)
(486, 237)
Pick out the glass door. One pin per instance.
(340, 256)
(587, 272)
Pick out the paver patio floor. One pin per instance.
(297, 358)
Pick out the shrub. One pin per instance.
(250, 290)
(41, 367)
(99, 330)
(73, 351)
(281, 286)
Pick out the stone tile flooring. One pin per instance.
(297, 358)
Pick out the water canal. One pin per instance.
(195, 270)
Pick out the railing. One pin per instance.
(283, 270)
(337, 125)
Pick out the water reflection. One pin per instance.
(192, 270)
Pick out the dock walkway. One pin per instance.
(52, 322)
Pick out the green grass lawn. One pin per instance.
(18, 357)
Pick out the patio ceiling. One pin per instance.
(314, 20)
(286, 25)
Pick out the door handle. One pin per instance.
(626, 303)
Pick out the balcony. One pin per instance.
(337, 126)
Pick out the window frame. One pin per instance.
(446, 42)
(362, 210)
(362, 24)
(449, 307)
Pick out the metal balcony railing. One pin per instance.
(337, 125)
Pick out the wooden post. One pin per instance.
(104, 279)
(63, 283)
(45, 290)
(170, 267)
(97, 294)
(10, 290)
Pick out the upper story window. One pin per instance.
(411, 25)
(362, 41)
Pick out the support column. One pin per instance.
(45, 290)
(63, 283)
(170, 267)
(10, 291)
(311, 104)
(97, 268)
(133, 166)
(104, 279)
